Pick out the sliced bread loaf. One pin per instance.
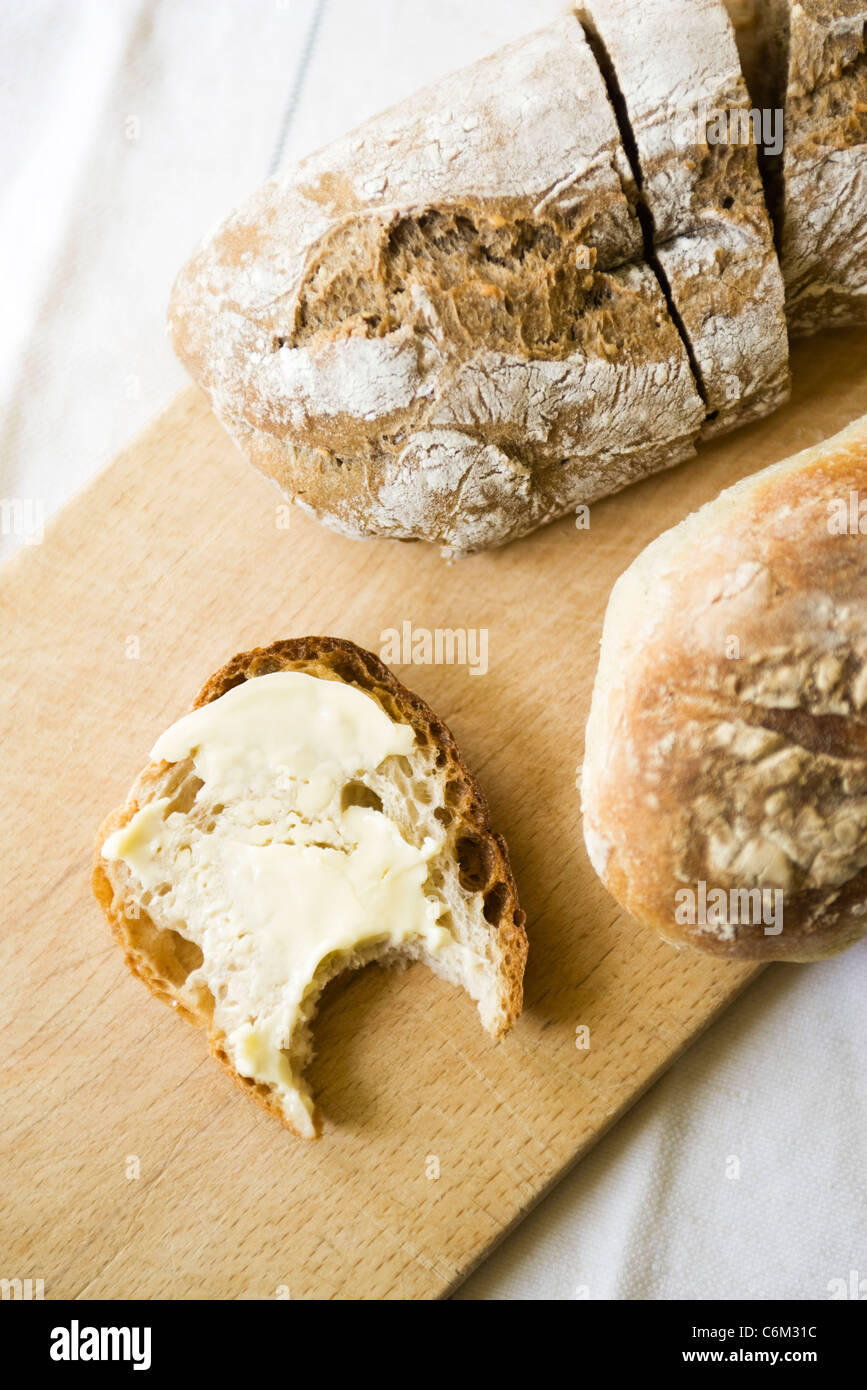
(309, 815)
(442, 326)
(824, 221)
(674, 74)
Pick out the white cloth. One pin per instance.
(129, 127)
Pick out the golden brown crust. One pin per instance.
(162, 960)
(727, 742)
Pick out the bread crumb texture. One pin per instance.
(287, 834)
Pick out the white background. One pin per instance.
(128, 128)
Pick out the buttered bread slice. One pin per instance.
(308, 815)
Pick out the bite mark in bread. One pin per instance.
(185, 933)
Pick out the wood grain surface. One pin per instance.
(131, 1166)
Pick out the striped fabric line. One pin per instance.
(297, 86)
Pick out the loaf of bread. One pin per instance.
(309, 815)
(725, 769)
(443, 326)
(545, 277)
(809, 58)
(675, 76)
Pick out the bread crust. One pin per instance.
(810, 59)
(441, 326)
(824, 227)
(674, 71)
(162, 959)
(727, 738)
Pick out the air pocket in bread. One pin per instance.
(307, 816)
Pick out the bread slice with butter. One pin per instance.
(307, 816)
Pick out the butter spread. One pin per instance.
(267, 872)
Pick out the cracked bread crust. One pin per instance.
(727, 738)
(824, 228)
(810, 59)
(441, 327)
(675, 71)
(165, 960)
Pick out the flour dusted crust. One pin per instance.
(824, 224)
(168, 963)
(727, 738)
(441, 326)
(471, 490)
(675, 67)
(810, 59)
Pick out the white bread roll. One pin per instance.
(726, 753)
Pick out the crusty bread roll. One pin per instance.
(810, 58)
(442, 327)
(308, 816)
(725, 771)
(676, 80)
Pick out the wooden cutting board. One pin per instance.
(131, 1166)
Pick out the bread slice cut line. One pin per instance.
(643, 212)
(441, 327)
(700, 202)
(270, 886)
(808, 58)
